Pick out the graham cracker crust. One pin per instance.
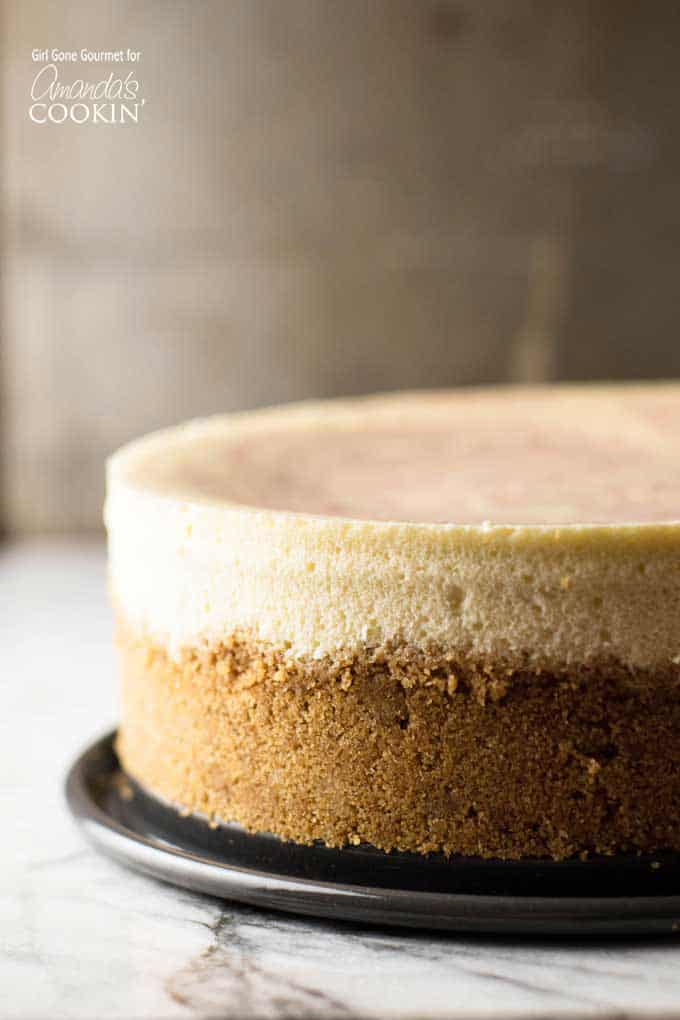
(408, 749)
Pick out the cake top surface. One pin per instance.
(537, 456)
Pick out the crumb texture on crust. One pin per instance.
(407, 749)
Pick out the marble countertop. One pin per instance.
(82, 937)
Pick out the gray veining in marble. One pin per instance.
(82, 937)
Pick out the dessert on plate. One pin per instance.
(441, 621)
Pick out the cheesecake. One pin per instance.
(430, 622)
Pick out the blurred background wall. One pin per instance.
(326, 197)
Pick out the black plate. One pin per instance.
(605, 895)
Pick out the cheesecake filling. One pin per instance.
(559, 456)
(187, 574)
(205, 536)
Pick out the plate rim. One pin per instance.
(464, 912)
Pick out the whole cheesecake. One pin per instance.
(429, 622)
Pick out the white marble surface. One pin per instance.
(82, 937)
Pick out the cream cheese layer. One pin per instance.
(536, 526)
